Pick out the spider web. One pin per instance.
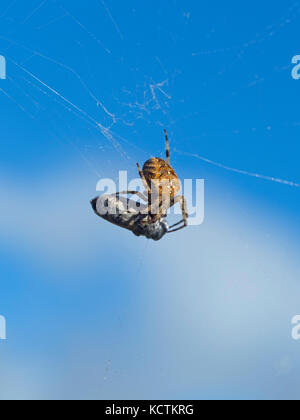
(142, 101)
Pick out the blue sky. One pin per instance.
(92, 311)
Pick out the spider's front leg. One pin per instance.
(167, 148)
(140, 207)
(143, 178)
(182, 200)
(138, 193)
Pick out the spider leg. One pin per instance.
(176, 230)
(167, 148)
(176, 224)
(182, 200)
(138, 193)
(143, 179)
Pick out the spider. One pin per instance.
(162, 185)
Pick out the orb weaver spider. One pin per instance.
(162, 186)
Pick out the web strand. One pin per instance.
(241, 171)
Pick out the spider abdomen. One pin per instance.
(159, 173)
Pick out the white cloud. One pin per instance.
(216, 300)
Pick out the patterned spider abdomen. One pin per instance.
(160, 174)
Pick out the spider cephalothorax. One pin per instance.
(162, 186)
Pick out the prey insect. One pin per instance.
(162, 186)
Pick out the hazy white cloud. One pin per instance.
(215, 300)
